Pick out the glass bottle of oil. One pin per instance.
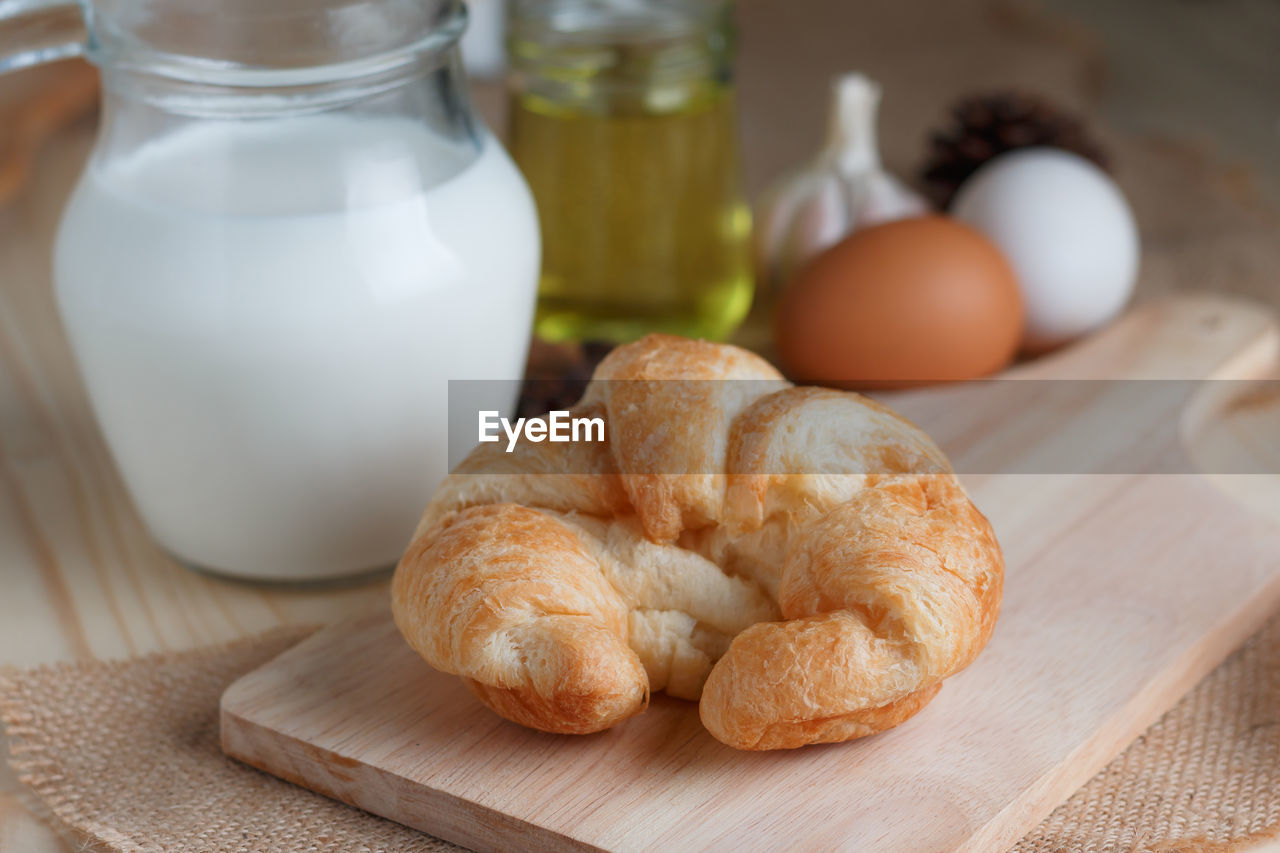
(623, 122)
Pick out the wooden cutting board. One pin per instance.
(1122, 591)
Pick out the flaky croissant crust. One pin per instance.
(566, 581)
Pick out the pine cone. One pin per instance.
(990, 124)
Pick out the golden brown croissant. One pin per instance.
(802, 561)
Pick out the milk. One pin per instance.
(266, 316)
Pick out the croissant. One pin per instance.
(802, 562)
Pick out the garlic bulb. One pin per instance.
(844, 188)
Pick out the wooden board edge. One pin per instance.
(1180, 313)
(231, 695)
(347, 780)
(1143, 710)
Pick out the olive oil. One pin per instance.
(627, 137)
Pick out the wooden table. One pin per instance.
(81, 578)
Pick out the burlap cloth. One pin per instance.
(125, 755)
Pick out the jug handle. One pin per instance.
(36, 31)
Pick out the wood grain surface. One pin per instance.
(1107, 620)
(56, 96)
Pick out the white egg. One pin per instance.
(1067, 231)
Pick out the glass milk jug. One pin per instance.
(291, 234)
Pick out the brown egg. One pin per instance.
(905, 303)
